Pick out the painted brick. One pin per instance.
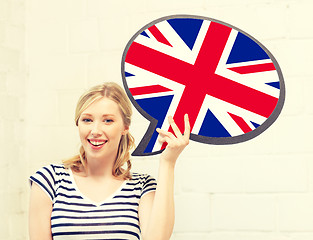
(9, 106)
(84, 36)
(18, 220)
(11, 153)
(310, 171)
(138, 126)
(244, 212)
(214, 174)
(276, 17)
(308, 94)
(295, 212)
(17, 13)
(42, 108)
(3, 83)
(192, 213)
(57, 72)
(245, 236)
(135, 23)
(265, 173)
(2, 136)
(164, 5)
(111, 64)
(4, 228)
(299, 15)
(188, 236)
(76, 9)
(247, 17)
(9, 59)
(4, 10)
(16, 180)
(92, 8)
(16, 85)
(3, 105)
(2, 32)
(280, 138)
(201, 150)
(64, 138)
(301, 236)
(50, 10)
(145, 165)
(66, 105)
(287, 51)
(222, 3)
(282, 173)
(4, 182)
(12, 107)
(119, 8)
(295, 101)
(104, 67)
(114, 32)
(47, 37)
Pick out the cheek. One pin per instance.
(82, 131)
(115, 132)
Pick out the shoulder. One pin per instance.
(48, 176)
(141, 178)
(144, 182)
(52, 167)
(51, 170)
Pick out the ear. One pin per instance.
(126, 130)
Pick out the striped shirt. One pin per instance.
(74, 216)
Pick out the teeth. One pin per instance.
(96, 143)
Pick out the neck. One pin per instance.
(99, 168)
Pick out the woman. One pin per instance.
(93, 195)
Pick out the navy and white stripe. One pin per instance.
(74, 216)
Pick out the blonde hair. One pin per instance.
(114, 92)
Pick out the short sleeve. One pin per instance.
(149, 185)
(45, 178)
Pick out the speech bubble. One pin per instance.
(228, 83)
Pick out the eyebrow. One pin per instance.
(104, 115)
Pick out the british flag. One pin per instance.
(227, 82)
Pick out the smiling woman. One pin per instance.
(93, 195)
(111, 95)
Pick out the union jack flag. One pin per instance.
(226, 82)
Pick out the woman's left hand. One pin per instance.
(175, 143)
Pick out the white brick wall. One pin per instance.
(13, 74)
(51, 51)
(295, 212)
(243, 212)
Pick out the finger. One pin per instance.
(187, 126)
(164, 133)
(174, 127)
(164, 139)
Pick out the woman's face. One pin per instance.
(100, 129)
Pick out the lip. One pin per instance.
(96, 140)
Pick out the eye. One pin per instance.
(108, 121)
(87, 120)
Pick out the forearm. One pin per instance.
(161, 220)
(162, 216)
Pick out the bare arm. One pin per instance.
(39, 214)
(156, 210)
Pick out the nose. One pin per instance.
(96, 130)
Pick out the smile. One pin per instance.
(96, 144)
